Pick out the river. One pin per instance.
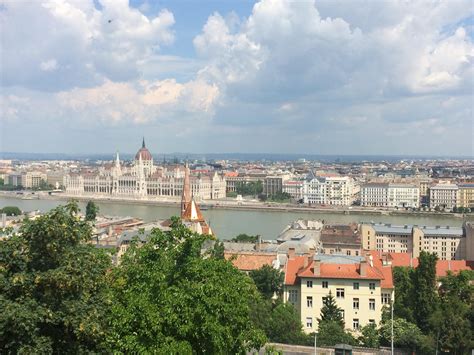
(227, 223)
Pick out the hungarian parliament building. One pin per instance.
(144, 180)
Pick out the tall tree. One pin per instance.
(406, 336)
(403, 304)
(330, 311)
(452, 327)
(425, 298)
(91, 211)
(268, 280)
(52, 287)
(169, 298)
(370, 336)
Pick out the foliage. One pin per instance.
(425, 298)
(331, 312)
(403, 307)
(217, 250)
(231, 194)
(52, 287)
(331, 332)
(169, 298)
(9, 187)
(249, 188)
(11, 210)
(245, 238)
(451, 323)
(406, 335)
(370, 337)
(91, 211)
(280, 197)
(268, 280)
(280, 322)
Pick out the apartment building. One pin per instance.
(449, 243)
(443, 195)
(361, 286)
(294, 188)
(390, 195)
(334, 190)
(465, 196)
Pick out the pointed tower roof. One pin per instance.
(143, 143)
(186, 194)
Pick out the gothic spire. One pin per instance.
(143, 143)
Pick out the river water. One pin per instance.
(228, 223)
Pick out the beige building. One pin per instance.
(333, 190)
(465, 195)
(361, 287)
(294, 188)
(449, 243)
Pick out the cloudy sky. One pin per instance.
(319, 77)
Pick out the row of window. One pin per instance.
(355, 323)
(325, 284)
(355, 303)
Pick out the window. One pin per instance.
(309, 301)
(339, 293)
(325, 284)
(372, 285)
(309, 322)
(371, 321)
(356, 285)
(372, 304)
(385, 298)
(325, 299)
(355, 303)
(348, 252)
(343, 315)
(355, 324)
(309, 284)
(293, 296)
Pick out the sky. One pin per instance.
(271, 76)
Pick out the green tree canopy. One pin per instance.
(331, 333)
(91, 211)
(331, 312)
(245, 238)
(406, 336)
(11, 210)
(403, 281)
(52, 287)
(169, 298)
(268, 280)
(370, 336)
(425, 297)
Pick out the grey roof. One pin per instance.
(442, 231)
(338, 258)
(392, 229)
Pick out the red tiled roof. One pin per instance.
(442, 266)
(249, 261)
(341, 271)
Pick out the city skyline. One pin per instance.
(324, 77)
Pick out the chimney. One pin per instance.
(363, 267)
(317, 266)
(307, 260)
(291, 253)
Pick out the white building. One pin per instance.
(443, 196)
(335, 190)
(390, 195)
(295, 188)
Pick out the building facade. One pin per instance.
(361, 287)
(448, 243)
(444, 196)
(334, 190)
(143, 179)
(390, 195)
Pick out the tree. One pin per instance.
(53, 291)
(218, 250)
(403, 304)
(284, 325)
(370, 337)
(331, 312)
(268, 280)
(406, 336)
(169, 298)
(91, 211)
(11, 211)
(425, 298)
(331, 333)
(451, 323)
(245, 238)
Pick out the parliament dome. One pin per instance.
(143, 152)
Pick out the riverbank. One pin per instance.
(240, 205)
